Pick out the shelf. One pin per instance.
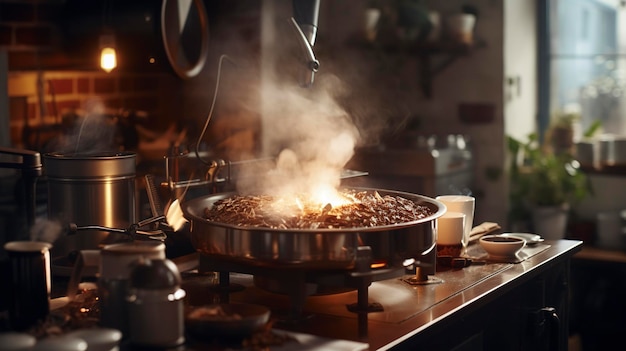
(450, 54)
(591, 253)
(616, 170)
(588, 56)
(447, 52)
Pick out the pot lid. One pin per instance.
(59, 165)
(152, 274)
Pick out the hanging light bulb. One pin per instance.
(108, 56)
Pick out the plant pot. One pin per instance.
(550, 221)
(562, 140)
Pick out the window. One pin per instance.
(583, 60)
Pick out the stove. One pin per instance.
(388, 298)
(229, 252)
(299, 284)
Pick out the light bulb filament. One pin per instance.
(108, 59)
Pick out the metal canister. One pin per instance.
(155, 304)
(90, 190)
(116, 264)
(29, 284)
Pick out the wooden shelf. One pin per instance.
(433, 57)
(617, 170)
(600, 255)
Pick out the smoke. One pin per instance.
(46, 230)
(90, 133)
(312, 135)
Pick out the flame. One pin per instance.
(174, 216)
(299, 204)
(377, 265)
(326, 194)
(324, 200)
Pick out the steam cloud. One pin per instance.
(90, 134)
(46, 230)
(312, 135)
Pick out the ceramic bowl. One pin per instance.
(531, 239)
(227, 320)
(502, 246)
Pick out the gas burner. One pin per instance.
(298, 284)
(421, 276)
(416, 280)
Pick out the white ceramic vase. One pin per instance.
(550, 221)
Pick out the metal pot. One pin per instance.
(310, 249)
(94, 189)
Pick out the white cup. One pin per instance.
(461, 27)
(450, 231)
(114, 263)
(435, 22)
(370, 23)
(464, 204)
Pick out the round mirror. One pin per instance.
(185, 32)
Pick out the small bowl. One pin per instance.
(531, 239)
(230, 321)
(502, 246)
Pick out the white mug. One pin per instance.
(450, 231)
(464, 204)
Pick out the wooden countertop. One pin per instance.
(472, 296)
(409, 311)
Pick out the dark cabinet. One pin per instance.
(598, 312)
(528, 313)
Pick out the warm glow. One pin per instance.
(378, 265)
(324, 200)
(327, 194)
(174, 216)
(299, 204)
(108, 59)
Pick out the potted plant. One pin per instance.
(544, 186)
(560, 135)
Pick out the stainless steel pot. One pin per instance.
(90, 190)
(319, 249)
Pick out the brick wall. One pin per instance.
(45, 82)
(40, 100)
(29, 25)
